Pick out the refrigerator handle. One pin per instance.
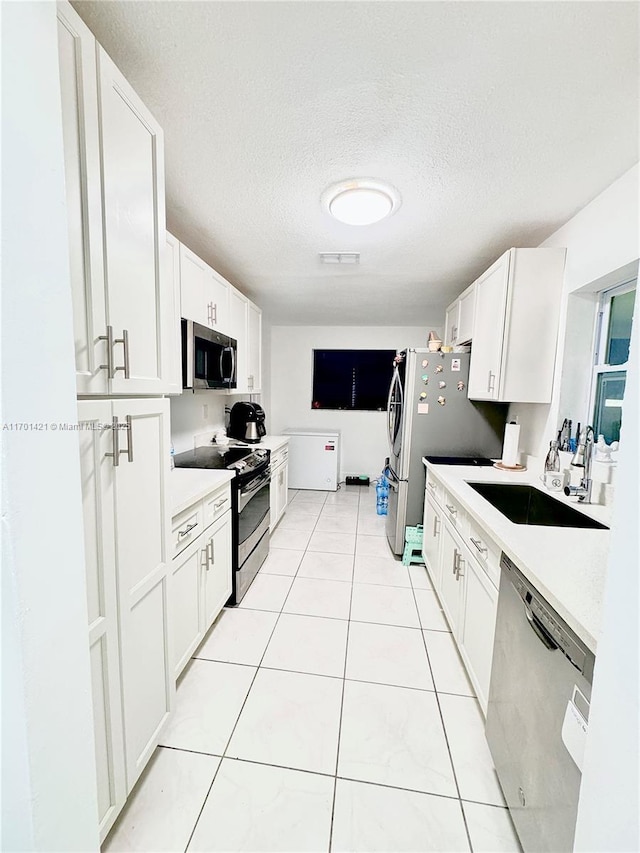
(390, 403)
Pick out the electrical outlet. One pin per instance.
(205, 411)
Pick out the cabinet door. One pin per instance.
(102, 604)
(432, 524)
(279, 493)
(488, 331)
(185, 610)
(238, 329)
(140, 304)
(174, 362)
(451, 324)
(451, 585)
(255, 348)
(478, 625)
(466, 313)
(193, 276)
(144, 575)
(217, 297)
(216, 574)
(79, 96)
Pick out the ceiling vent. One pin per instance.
(339, 257)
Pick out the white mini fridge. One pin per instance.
(314, 458)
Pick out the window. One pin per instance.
(351, 379)
(615, 319)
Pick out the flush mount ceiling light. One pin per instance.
(360, 201)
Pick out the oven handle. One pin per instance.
(259, 482)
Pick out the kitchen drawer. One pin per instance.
(485, 550)
(279, 456)
(434, 487)
(453, 512)
(186, 527)
(216, 504)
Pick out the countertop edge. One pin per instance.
(203, 482)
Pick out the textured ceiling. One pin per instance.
(495, 121)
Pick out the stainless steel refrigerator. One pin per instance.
(428, 413)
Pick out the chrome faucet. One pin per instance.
(582, 459)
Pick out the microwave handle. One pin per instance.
(188, 354)
(233, 364)
(228, 378)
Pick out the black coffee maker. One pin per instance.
(246, 422)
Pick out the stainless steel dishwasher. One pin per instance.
(537, 714)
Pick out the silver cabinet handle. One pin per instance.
(115, 428)
(478, 543)
(451, 509)
(455, 560)
(115, 437)
(124, 340)
(431, 485)
(250, 382)
(129, 450)
(187, 529)
(454, 333)
(490, 383)
(210, 557)
(214, 311)
(459, 572)
(109, 339)
(436, 525)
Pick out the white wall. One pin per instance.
(188, 418)
(601, 239)
(608, 811)
(49, 799)
(364, 438)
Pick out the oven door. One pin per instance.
(208, 357)
(253, 513)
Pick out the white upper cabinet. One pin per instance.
(459, 318)
(174, 369)
(517, 304)
(78, 76)
(239, 329)
(451, 324)
(254, 348)
(204, 293)
(114, 172)
(466, 315)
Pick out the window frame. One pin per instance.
(603, 319)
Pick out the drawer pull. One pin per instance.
(431, 485)
(451, 509)
(187, 529)
(220, 503)
(436, 525)
(478, 543)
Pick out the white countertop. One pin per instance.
(272, 442)
(188, 485)
(567, 565)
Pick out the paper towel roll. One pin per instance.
(510, 446)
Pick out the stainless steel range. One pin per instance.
(250, 491)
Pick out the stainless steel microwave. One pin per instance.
(208, 357)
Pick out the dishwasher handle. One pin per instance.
(539, 629)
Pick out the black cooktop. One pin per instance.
(478, 461)
(242, 458)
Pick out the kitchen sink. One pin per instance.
(528, 505)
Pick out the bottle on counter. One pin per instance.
(552, 462)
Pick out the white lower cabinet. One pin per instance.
(462, 562)
(432, 535)
(477, 627)
(451, 590)
(124, 465)
(279, 485)
(201, 569)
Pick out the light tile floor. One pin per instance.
(330, 711)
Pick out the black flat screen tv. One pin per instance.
(352, 379)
